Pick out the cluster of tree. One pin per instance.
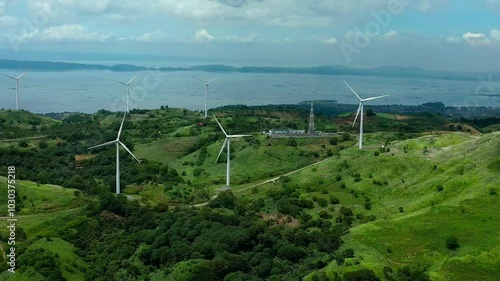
(228, 240)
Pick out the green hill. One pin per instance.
(409, 201)
(412, 204)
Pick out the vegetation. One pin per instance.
(422, 207)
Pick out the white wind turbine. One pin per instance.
(206, 90)
(17, 86)
(227, 142)
(117, 142)
(128, 89)
(360, 109)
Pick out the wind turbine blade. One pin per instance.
(199, 79)
(221, 149)
(220, 125)
(23, 73)
(238, 136)
(121, 125)
(126, 148)
(354, 92)
(119, 82)
(104, 144)
(374, 98)
(357, 114)
(214, 79)
(9, 76)
(132, 79)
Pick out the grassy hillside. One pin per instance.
(408, 201)
(417, 201)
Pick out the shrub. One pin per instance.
(324, 214)
(322, 202)
(439, 188)
(23, 143)
(452, 243)
(401, 210)
(334, 200)
(376, 153)
(361, 275)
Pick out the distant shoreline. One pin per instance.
(385, 71)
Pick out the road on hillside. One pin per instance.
(261, 183)
(27, 138)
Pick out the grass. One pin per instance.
(37, 199)
(165, 150)
(466, 166)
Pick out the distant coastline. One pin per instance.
(385, 71)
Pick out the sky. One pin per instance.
(457, 35)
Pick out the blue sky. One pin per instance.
(436, 35)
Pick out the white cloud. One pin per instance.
(202, 35)
(65, 33)
(476, 39)
(393, 34)
(8, 21)
(155, 36)
(495, 35)
(95, 7)
(327, 40)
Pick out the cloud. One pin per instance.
(8, 21)
(202, 35)
(151, 37)
(393, 34)
(424, 6)
(252, 37)
(234, 3)
(495, 35)
(65, 33)
(327, 40)
(476, 39)
(95, 7)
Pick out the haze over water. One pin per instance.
(89, 91)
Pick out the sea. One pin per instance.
(90, 91)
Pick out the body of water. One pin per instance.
(89, 91)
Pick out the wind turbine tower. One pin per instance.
(360, 110)
(311, 130)
(117, 143)
(227, 143)
(206, 90)
(17, 86)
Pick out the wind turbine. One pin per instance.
(227, 142)
(128, 89)
(117, 142)
(360, 109)
(17, 86)
(206, 90)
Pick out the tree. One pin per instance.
(23, 143)
(361, 275)
(370, 112)
(452, 243)
(225, 199)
